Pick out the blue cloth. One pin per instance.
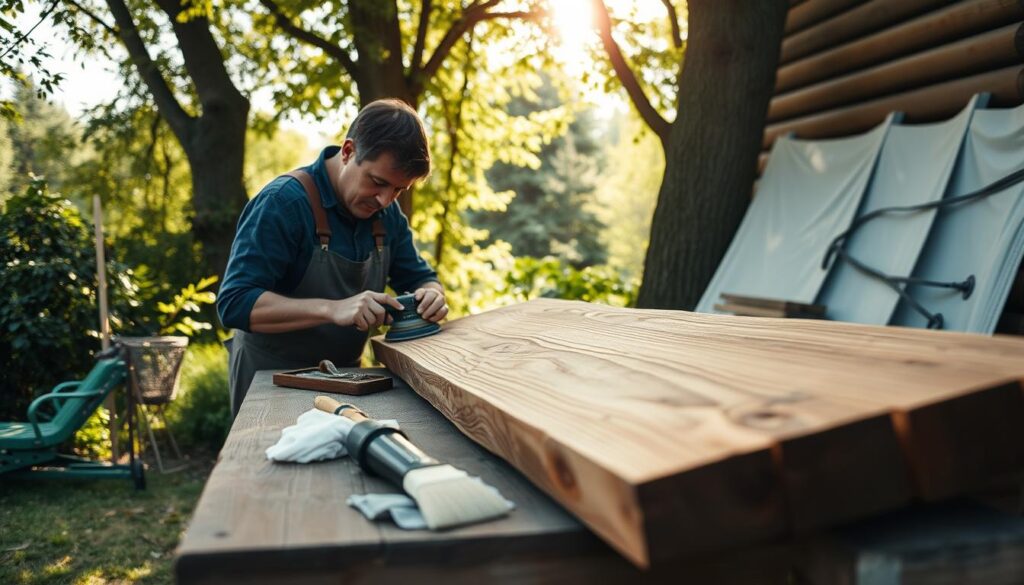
(276, 237)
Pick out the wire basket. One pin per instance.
(155, 364)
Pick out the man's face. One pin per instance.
(367, 187)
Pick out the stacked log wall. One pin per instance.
(845, 64)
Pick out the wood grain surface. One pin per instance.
(672, 433)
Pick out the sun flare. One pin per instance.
(573, 19)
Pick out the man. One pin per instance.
(315, 248)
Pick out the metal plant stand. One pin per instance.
(154, 364)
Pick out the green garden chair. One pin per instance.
(29, 449)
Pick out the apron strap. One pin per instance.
(323, 231)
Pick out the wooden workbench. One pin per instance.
(264, 522)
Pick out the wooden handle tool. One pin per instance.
(351, 412)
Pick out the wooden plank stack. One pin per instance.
(671, 433)
(760, 307)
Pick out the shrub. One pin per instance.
(48, 300)
(549, 277)
(200, 415)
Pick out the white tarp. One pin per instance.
(808, 194)
(983, 237)
(914, 167)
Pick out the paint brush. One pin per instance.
(446, 496)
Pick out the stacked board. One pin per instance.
(672, 433)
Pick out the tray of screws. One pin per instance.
(327, 378)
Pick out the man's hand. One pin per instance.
(430, 304)
(364, 310)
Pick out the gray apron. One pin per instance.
(328, 276)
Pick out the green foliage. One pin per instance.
(647, 46)
(530, 278)
(6, 159)
(44, 142)
(48, 297)
(23, 56)
(271, 153)
(200, 415)
(550, 214)
(628, 192)
(18, 50)
(174, 319)
(139, 170)
(473, 129)
(93, 438)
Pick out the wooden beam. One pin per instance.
(815, 11)
(930, 103)
(929, 30)
(867, 18)
(672, 433)
(984, 52)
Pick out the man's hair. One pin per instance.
(391, 125)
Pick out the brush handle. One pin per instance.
(379, 448)
(349, 411)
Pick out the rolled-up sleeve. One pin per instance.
(408, 270)
(267, 243)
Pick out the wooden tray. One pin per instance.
(295, 379)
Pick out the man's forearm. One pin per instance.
(274, 313)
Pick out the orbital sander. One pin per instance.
(408, 324)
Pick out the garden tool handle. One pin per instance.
(328, 404)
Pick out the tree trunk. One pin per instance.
(213, 141)
(379, 71)
(216, 153)
(711, 154)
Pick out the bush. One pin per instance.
(48, 296)
(549, 277)
(200, 415)
(93, 438)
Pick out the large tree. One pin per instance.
(188, 82)
(377, 48)
(711, 148)
(211, 130)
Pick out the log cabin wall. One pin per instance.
(845, 64)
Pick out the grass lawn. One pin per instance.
(95, 531)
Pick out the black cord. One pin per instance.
(934, 319)
(966, 287)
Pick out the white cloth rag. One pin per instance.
(315, 436)
(319, 435)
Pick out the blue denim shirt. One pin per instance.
(276, 237)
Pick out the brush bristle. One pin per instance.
(450, 497)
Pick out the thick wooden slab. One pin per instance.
(671, 433)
